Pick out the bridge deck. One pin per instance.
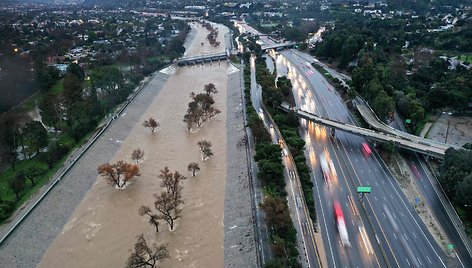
(376, 135)
(372, 119)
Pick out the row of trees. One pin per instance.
(456, 180)
(168, 208)
(121, 173)
(456, 175)
(275, 207)
(366, 82)
(201, 108)
(167, 204)
(213, 35)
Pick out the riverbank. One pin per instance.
(89, 238)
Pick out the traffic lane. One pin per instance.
(384, 232)
(324, 196)
(409, 226)
(324, 92)
(296, 210)
(430, 189)
(427, 183)
(417, 248)
(352, 220)
(340, 190)
(263, 232)
(338, 254)
(304, 221)
(301, 211)
(269, 63)
(331, 71)
(322, 105)
(377, 201)
(346, 207)
(428, 243)
(355, 255)
(345, 165)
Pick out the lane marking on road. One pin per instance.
(445, 209)
(427, 257)
(419, 260)
(324, 220)
(409, 212)
(312, 88)
(407, 262)
(459, 259)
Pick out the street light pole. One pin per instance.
(447, 130)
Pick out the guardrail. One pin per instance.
(63, 173)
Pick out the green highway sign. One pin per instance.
(364, 189)
(408, 121)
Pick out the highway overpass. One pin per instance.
(279, 46)
(424, 148)
(371, 118)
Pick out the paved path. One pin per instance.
(26, 246)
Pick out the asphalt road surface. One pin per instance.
(403, 238)
(432, 192)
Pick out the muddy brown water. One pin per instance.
(102, 230)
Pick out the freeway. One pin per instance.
(362, 252)
(428, 184)
(404, 238)
(440, 205)
(298, 209)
